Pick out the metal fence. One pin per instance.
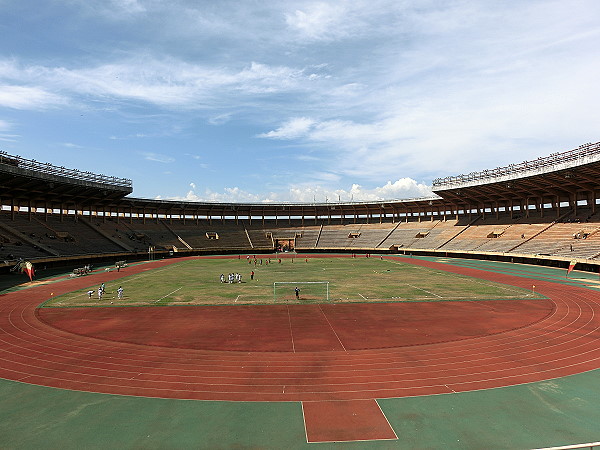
(555, 160)
(47, 168)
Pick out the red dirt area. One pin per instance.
(298, 328)
(352, 420)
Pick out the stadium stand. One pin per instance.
(152, 233)
(423, 235)
(216, 236)
(542, 211)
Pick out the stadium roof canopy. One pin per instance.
(31, 180)
(565, 175)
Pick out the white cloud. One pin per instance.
(350, 92)
(448, 110)
(308, 193)
(220, 119)
(317, 21)
(71, 145)
(157, 157)
(115, 10)
(5, 125)
(233, 194)
(129, 6)
(403, 188)
(292, 129)
(28, 97)
(399, 189)
(169, 83)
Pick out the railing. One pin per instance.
(555, 160)
(47, 168)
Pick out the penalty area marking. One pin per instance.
(165, 296)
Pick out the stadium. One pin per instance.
(541, 211)
(377, 355)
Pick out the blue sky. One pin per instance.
(295, 100)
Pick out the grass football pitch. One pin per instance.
(197, 282)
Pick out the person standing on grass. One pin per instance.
(252, 275)
(120, 292)
(100, 292)
(297, 292)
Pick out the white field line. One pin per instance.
(135, 277)
(513, 289)
(424, 290)
(499, 285)
(165, 296)
(121, 281)
(129, 279)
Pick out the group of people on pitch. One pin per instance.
(101, 292)
(231, 278)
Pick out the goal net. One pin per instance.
(308, 291)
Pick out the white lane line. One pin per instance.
(291, 331)
(330, 326)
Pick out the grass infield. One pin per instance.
(197, 282)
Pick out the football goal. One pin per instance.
(310, 291)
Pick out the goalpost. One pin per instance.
(308, 291)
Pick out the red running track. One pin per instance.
(299, 328)
(556, 344)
